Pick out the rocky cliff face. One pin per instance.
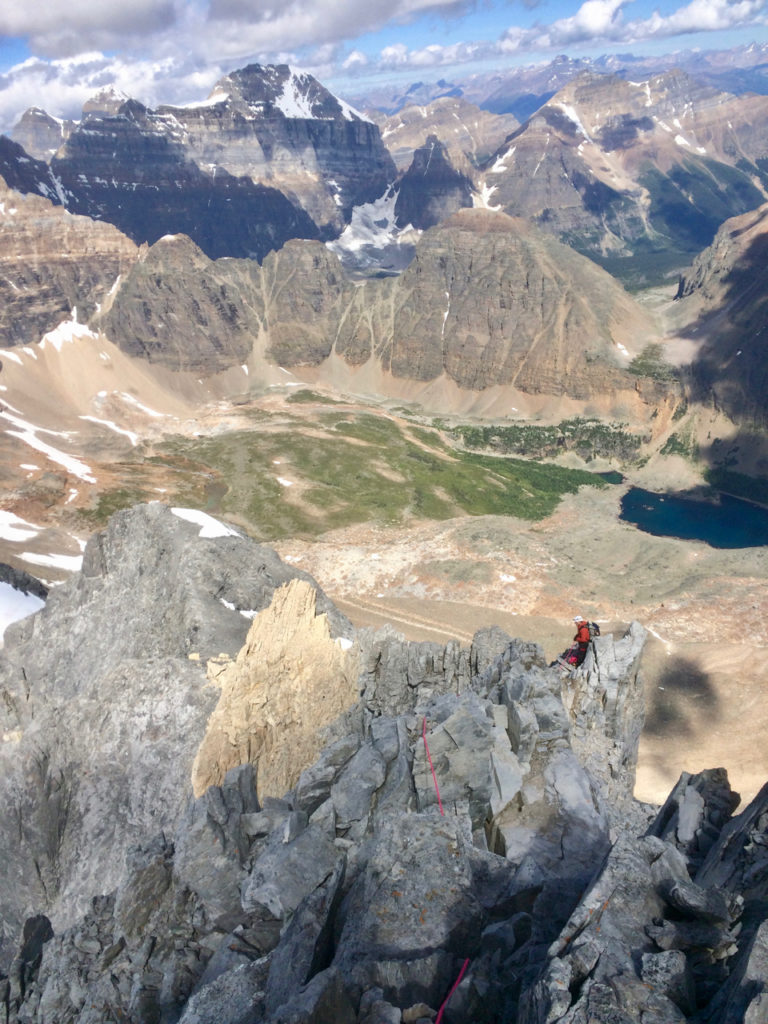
(271, 155)
(56, 266)
(286, 130)
(723, 299)
(431, 190)
(469, 134)
(486, 301)
(133, 170)
(466, 837)
(41, 135)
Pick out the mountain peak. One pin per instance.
(278, 89)
(106, 101)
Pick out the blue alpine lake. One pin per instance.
(723, 523)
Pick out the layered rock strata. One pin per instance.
(55, 266)
(270, 155)
(486, 301)
(622, 167)
(432, 189)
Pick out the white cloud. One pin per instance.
(699, 16)
(173, 51)
(599, 21)
(62, 86)
(68, 27)
(595, 19)
(356, 59)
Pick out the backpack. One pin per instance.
(594, 630)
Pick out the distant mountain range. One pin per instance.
(522, 90)
(235, 195)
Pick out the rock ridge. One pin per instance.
(542, 885)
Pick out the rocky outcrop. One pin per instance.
(284, 129)
(431, 190)
(41, 135)
(180, 309)
(292, 679)
(133, 170)
(469, 134)
(463, 832)
(486, 301)
(106, 702)
(25, 174)
(56, 266)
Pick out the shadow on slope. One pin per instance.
(683, 700)
(731, 368)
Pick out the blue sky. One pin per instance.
(56, 54)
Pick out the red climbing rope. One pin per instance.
(455, 985)
(432, 767)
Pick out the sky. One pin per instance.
(56, 54)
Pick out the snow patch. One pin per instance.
(67, 331)
(681, 141)
(15, 529)
(217, 96)
(541, 161)
(501, 162)
(294, 100)
(372, 224)
(209, 527)
(133, 438)
(344, 643)
(137, 404)
(248, 613)
(70, 563)
(16, 604)
(7, 354)
(445, 314)
(283, 482)
(27, 433)
(570, 113)
(482, 199)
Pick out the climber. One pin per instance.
(582, 638)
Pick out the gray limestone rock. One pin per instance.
(695, 812)
(354, 789)
(212, 846)
(306, 946)
(352, 898)
(412, 907)
(286, 872)
(322, 1000)
(107, 707)
(235, 997)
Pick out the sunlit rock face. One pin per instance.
(621, 167)
(55, 265)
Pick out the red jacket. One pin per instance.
(582, 634)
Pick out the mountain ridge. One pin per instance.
(468, 807)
